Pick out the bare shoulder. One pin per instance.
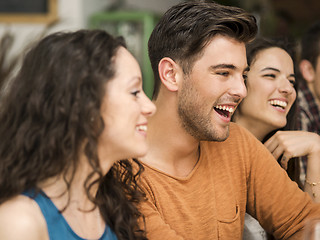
(21, 218)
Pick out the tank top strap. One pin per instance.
(58, 227)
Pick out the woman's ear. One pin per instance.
(167, 71)
(307, 70)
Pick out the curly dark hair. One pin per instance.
(52, 109)
(186, 28)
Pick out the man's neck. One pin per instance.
(171, 149)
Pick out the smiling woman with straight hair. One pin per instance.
(269, 112)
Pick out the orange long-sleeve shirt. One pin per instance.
(210, 203)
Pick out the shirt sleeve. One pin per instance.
(276, 201)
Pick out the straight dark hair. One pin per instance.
(255, 47)
(186, 28)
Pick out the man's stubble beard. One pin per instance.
(193, 117)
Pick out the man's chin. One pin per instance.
(223, 135)
(217, 136)
(222, 139)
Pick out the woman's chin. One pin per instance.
(139, 151)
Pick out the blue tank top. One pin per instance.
(58, 227)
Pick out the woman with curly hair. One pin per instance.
(75, 110)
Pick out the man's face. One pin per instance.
(316, 81)
(209, 95)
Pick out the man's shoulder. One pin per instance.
(236, 129)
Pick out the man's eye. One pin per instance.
(225, 74)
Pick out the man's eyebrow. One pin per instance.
(230, 66)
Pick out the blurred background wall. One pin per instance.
(281, 17)
(74, 14)
(275, 18)
(17, 34)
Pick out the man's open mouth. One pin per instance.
(225, 111)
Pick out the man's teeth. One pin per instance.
(278, 103)
(142, 128)
(224, 108)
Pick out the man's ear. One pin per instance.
(307, 70)
(167, 71)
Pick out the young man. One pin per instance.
(309, 86)
(203, 173)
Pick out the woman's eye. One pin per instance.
(270, 75)
(135, 93)
(245, 77)
(293, 82)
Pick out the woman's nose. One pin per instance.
(148, 108)
(286, 86)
